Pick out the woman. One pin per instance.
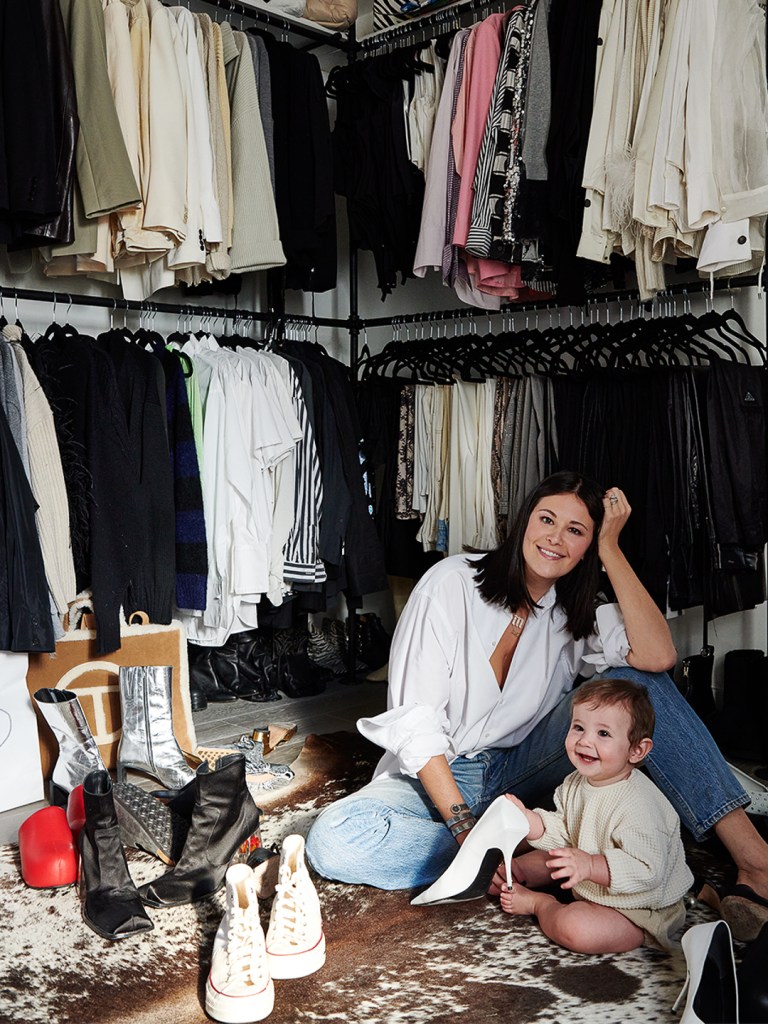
(482, 663)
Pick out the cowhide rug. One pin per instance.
(387, 962)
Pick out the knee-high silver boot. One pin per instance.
(147, 743)
(78, 751)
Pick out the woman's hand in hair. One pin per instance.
(617, 512)
(650, 641)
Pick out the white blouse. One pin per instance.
(443, 694)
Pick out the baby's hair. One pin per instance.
(633, 696)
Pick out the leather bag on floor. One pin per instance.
(75, 666)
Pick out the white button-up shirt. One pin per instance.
(443, 693)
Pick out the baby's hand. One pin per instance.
(535, 824)
(571, 864)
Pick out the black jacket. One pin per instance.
(25, 610)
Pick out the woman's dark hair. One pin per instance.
(500, 575)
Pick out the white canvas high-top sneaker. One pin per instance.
(239, 987)
(295, 939)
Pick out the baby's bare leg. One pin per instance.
(530, 869)
(582, 927)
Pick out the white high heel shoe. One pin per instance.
(713, 996)
(499, 831)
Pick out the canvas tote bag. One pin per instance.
(75, 666)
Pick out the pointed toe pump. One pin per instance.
(712, 994)
(497, 834)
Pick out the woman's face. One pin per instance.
(558, 536)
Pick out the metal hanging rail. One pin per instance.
(593, 302)
(173, 308)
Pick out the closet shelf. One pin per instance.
(318, 34)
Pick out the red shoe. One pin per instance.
(47, 850)
(76, 812)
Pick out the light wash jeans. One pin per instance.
(390, 835)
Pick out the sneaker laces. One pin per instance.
(290, 918)
(246, 959)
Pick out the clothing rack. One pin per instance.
(593, 303)
(420, 29)
(173, 308)
(427, 26)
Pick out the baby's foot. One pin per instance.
(518, 900)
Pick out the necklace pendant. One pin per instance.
(517, 622)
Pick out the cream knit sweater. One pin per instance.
(637, 830)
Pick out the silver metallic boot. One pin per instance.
(147, 742)
(78, 751)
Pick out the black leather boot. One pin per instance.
(223, 662)
(111, 903)
(257, 668)
(232, 672)
(204, 685)
(223, 817)
(373, 641)
(299, 676)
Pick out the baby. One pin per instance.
(614, 839)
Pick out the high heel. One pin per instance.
(711, 980)
(498, 832)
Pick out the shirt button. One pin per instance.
(742, 239)
(587, 202)
(599, 41)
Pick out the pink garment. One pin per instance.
(481, 63)
(494, 277)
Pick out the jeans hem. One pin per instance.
(733, 805)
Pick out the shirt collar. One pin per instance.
(549, 599)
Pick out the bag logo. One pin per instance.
(749, 397)
(99, 727)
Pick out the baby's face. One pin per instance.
(597, 743)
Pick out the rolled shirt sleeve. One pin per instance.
(414, 734)
(416, 726)
(608, 647)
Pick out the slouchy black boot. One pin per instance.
(111, 907)
(223, 817)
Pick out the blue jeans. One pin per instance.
(390, 835)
